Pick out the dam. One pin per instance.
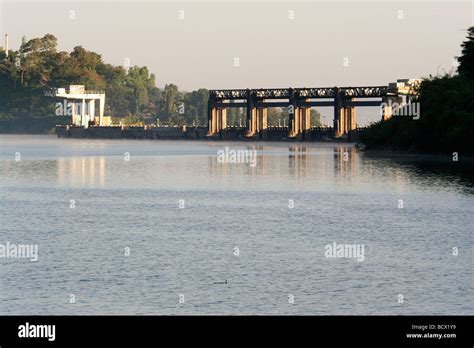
(298, 101)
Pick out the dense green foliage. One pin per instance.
(37, 66)
(446, 122)
(466, 61)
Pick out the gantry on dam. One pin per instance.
(299, 101)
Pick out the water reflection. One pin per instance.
(299, 160)
(82, 171)
(279, 166)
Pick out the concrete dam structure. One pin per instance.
(299, 102)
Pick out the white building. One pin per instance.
(81, 104)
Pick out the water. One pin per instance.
(84, 205)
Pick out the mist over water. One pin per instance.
(191, 223)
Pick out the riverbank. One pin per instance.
(419, 157)
(200, 133)
(45, 125)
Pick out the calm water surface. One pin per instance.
(230, 209)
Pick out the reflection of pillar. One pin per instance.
(73, 174)
(102, 171)
(83, 171)
(345, 160)
(92, 170)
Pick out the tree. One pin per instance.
(446, 122)
(170, 94)
(26, 74)
(466, 61)
(315, 117)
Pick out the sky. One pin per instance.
(255, 44)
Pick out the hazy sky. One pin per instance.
(276, 43)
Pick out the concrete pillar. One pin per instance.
(352, 118)
(251, 122)
(344, 120)
(92, 110)
(340, 122)
(307, 119)
(264, 118)
(296, 121)
(344, 116)
(386, 112)
(221, 119)
(304, 118)
(292, 108)
(84, 121)
(223, 115)
(73, 112)
(251, 115)
(291, 120)
(389, 103)
(212, 118)
(209, 117)
(261, 119)
(101, 109)
(214, 121)
(337, 112)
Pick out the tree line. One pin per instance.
(131, 92)
(446, 122)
